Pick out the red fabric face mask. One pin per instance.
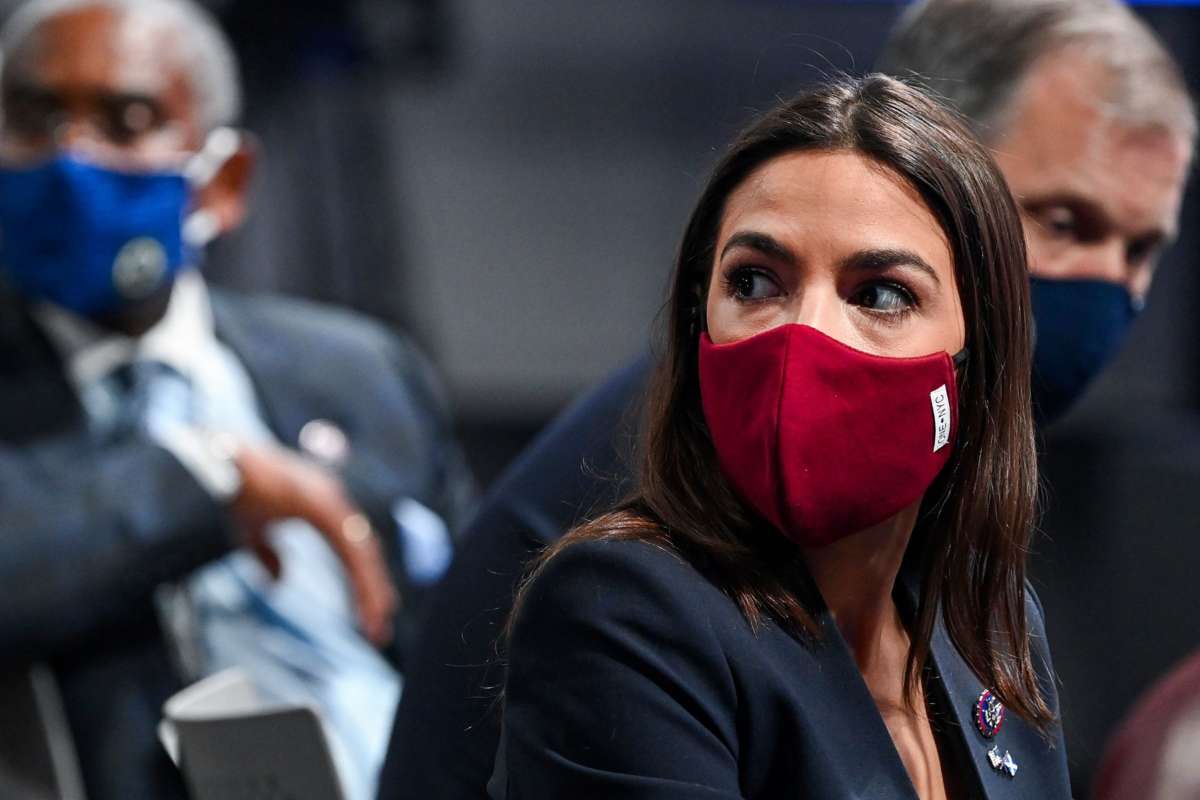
(821, 439)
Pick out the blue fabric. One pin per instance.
(65, 225)
(1079, 326)
(122, 401)
(425, 541)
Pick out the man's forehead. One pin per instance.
(101, 49)
(1060, 140)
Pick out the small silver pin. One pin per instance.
(325, 442)
(1002, 763)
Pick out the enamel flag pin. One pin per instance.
(1002, 763)
(989, 716)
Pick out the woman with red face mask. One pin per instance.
(818, 587)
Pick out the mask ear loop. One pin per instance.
(201, 226)
(219, 146)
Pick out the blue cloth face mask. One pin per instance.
(92, 239)
(1079, 327)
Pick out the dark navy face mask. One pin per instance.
(90, 238)
(1079, 327)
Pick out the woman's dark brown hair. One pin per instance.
(971, 539)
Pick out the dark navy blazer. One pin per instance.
(444, 738)
(632, 676)
(88, 531)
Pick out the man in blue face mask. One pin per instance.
(1092, 125)
(1090, 120)
(189, 479)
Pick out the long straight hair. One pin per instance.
(972, 534)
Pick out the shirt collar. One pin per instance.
(90, 352)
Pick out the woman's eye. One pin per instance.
(751, 284)
(884, 297)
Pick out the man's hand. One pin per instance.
(278, 484)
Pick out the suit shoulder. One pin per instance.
(307, 317)
(343, 337)
(1035, 614)
(1039, 645)
(627, 581)
(619, 558)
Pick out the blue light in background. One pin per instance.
(1147, 3)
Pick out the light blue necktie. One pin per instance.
(119, 403)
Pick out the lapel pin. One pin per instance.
(324, 441)
(989, 714)
(1002, 763)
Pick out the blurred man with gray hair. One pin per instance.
(1090, 120)
(1093, 128)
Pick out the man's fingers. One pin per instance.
(267, 556)
(255, 539)
(278, 485)
(374, 594)
(355, 543)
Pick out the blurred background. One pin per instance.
(507, 182)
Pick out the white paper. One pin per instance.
(232, 741)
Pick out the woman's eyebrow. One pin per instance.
(879, 260)
(761, 242)
(875, 260)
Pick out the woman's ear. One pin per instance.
(226, 196)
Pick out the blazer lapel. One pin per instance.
(962, 691)
(37, 399)
(1037, 764)
(868, 739)
(266, 364)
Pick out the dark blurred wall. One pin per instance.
(550, 179)
(329, 212)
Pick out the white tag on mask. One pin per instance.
(939, 398)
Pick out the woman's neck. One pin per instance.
(856, 576)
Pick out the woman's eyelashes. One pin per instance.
(751, 284)
(884, 298)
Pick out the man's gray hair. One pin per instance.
(977, 54)
(202, 48)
